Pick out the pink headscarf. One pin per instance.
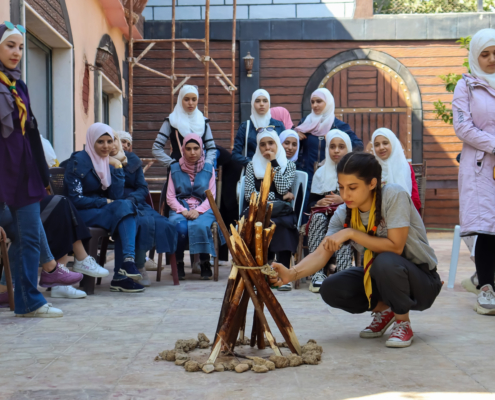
(320, 125)
(100, 164)
(192, 168)
(283, 115)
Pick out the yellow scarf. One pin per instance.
(18, 100)
(356, 223)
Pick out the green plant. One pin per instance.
(450, 81)
(428, 6)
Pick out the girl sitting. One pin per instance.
(190, 209)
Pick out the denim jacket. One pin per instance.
(136, 187)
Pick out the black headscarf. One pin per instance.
(7, 102)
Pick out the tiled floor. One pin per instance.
(104, 348)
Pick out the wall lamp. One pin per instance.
(248, 63)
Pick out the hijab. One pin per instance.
(183, 121)
(100, 164)
(192, 168)
(283, 115)
(319, 125)
(123, 135)
(260, 121)
(480, 41)
(120, 154)
(7, 100)
(290, 133)
(260, 163)
(325, 179)
(395, 169)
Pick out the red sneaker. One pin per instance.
(379, 325)
(401, 336)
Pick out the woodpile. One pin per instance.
(248, 246)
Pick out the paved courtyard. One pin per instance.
(104, 347)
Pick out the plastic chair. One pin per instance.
(8, 276)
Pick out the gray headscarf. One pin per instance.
(7, 102)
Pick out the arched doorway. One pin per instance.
(372, 90)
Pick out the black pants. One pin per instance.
(484, 257)
(397, 282)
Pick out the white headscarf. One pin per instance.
(123, 135)
(9, 32)
(480, 41)
(185, 122)
(260, 163)
(260, 121)
(319, 125)
(290, 133)
(325, 179)
(395, 169)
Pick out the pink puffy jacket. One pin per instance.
(474, 122)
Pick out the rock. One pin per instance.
(294, 360)
(168, 355)
(311, 358)
(202, 338)
(283, 344)
(191, 366)
(186, 345)
(180, 362)
(249, 362)
(260, 369)
(181, 356)
(261, 361)
(279, 361)
(208, 368)
(203, 345)
(233, 364)
(311, 347)
(312, 341)
(219, 367)
(241, 368)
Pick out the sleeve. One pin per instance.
(141, 192)
(239, 142)
(249, 182)
(397, 207)
(464, 124)
(337, 221)
(209, 143)
(172, 201)
(357, 144)
(205, 205)
(415, 192)
(116, 189)
(75, 192)
(158, 149)
(283, 182)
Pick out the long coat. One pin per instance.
(474, 123)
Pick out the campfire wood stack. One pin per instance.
(248, 246)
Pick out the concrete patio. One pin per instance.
(104, 347)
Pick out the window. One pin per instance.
(109, 103)
(39, 81)
(105, 104)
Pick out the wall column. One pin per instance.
(248, 85)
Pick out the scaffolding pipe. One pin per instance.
(232, 91)
(131, 69)
(172, 75)
(207, 56)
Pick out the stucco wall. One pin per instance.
(88, 25)
(4, 10)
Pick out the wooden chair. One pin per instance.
(420, 172)
(8, 276)
(99, 237)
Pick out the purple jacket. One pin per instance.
(474, 122)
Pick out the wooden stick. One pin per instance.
(250, 220)
(268, 215)
(258, 239)
(264, 192)
(266, 232)
(231, 284)
(238, 319)
(254, 330)
(260, 327)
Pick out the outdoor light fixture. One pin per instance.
(104, 54)
(248, 63)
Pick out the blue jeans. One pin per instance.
(25, 254)
(182, 231)
(125, 244)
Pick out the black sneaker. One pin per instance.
(130, 270)
(180, 271)
(206, 273)
(126, 285)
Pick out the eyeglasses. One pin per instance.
(11, 26)
(270, 128)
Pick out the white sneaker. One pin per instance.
(45, 311)
(317, 281)
(146, 279)
(471, 284)
(68, 292)
(486, 301)
(151, 265)
(90, 267)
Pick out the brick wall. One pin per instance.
(52, 12)
(250, 9)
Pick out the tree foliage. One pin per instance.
(428, 6)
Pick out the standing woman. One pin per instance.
(190, 212)
(94, 183)
(324, 194)
(313, 128)
(261, 117)
(185, 119)
(283, 115)
(23, 177)
(395, 168)
(474, 100)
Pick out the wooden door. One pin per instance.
(369, 95)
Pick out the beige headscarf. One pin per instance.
(120, 156)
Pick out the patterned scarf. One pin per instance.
(18, 100)
(356, 223)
